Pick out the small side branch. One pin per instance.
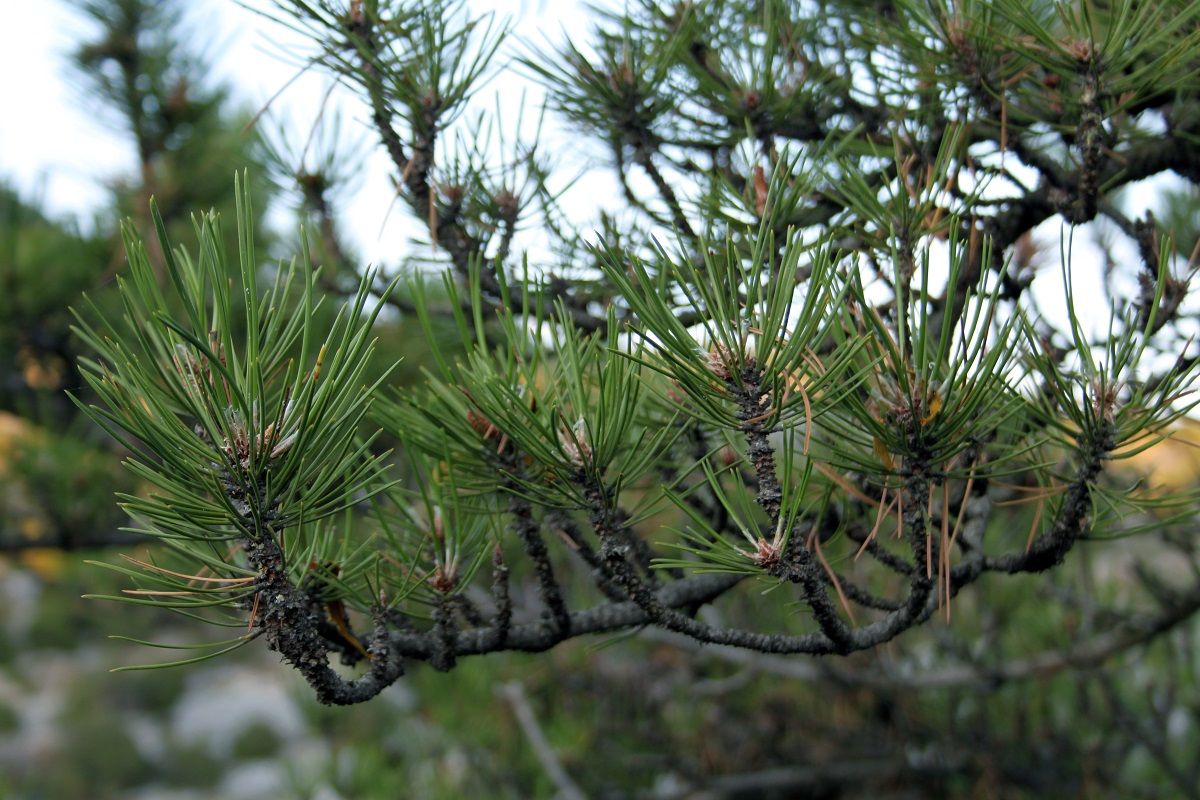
(445, 634)
(500, 593)
(642, 158)
(1049, 549)
(526, 528)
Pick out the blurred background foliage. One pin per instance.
(645, 717)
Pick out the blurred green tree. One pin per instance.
(144, 71)
(141, 75)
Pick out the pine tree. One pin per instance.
(809, 376)
(142, 71)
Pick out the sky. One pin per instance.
(55, 148)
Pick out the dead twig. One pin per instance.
(514, 693)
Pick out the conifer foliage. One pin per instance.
(816, 363)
